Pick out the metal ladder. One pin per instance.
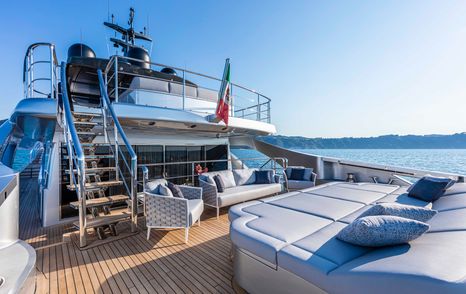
(89, 176)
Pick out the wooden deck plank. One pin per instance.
(164, 264)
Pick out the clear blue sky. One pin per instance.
(332, 68)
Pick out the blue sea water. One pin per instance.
(442, 160)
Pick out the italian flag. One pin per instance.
(224, 99)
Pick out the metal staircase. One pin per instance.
(98, 172)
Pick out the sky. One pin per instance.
(331, 68)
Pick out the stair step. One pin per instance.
(90, 145)
(85, 123)
(103, 220)
(86, 114)
(93, 157)
(102, 201)
(87, 133)
(96, 185)
(95, 170)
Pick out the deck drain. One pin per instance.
(2, 281)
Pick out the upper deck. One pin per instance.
(143, 95)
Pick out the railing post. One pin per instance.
(184, 89)
(116, 78)
(51, 73)
(268, 112)
(115, 132)
(82, 203)
(134, 195)
(192, 171)
(258, 107)
(31, 74)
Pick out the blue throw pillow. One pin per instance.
(220, 183)
(264, 177)
(430, 188)
(176, 191)
(421, 214)
(382, 230)
(297, 174)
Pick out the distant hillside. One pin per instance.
(455, 141)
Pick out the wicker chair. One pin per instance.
(173, 212)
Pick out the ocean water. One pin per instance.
(442, 160)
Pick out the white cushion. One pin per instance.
(293, 184)
(195, 207)
(207, 94)
(227, 177)
(164, 191)
(245, 176)
(177, 88)
(149, 84)
(239, 194)
(153, 186)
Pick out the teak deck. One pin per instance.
(164, 264)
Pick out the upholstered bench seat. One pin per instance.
(287, 243)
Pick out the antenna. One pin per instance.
(128, 35)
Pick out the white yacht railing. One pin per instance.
(30, 74)
(190, 88)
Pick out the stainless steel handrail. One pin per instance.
(113, 65)
(119, 131)
(75, 155)
(28, 73)
(182, 70)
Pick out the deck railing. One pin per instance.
(40, 81)
(75, 156)
(189, 90)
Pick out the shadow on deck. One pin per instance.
(164, 264)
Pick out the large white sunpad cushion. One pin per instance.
(301, 239)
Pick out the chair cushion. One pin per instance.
(246, 176)
(429, 188)
(195, 208)
(247, 192)
(164, 191)
(407, 211)
(153, 185)
(220, 184)
(227, 177)
(384, 230)
(264, 177)
(176, 191)
(292, 184)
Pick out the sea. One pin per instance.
(442, 160)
